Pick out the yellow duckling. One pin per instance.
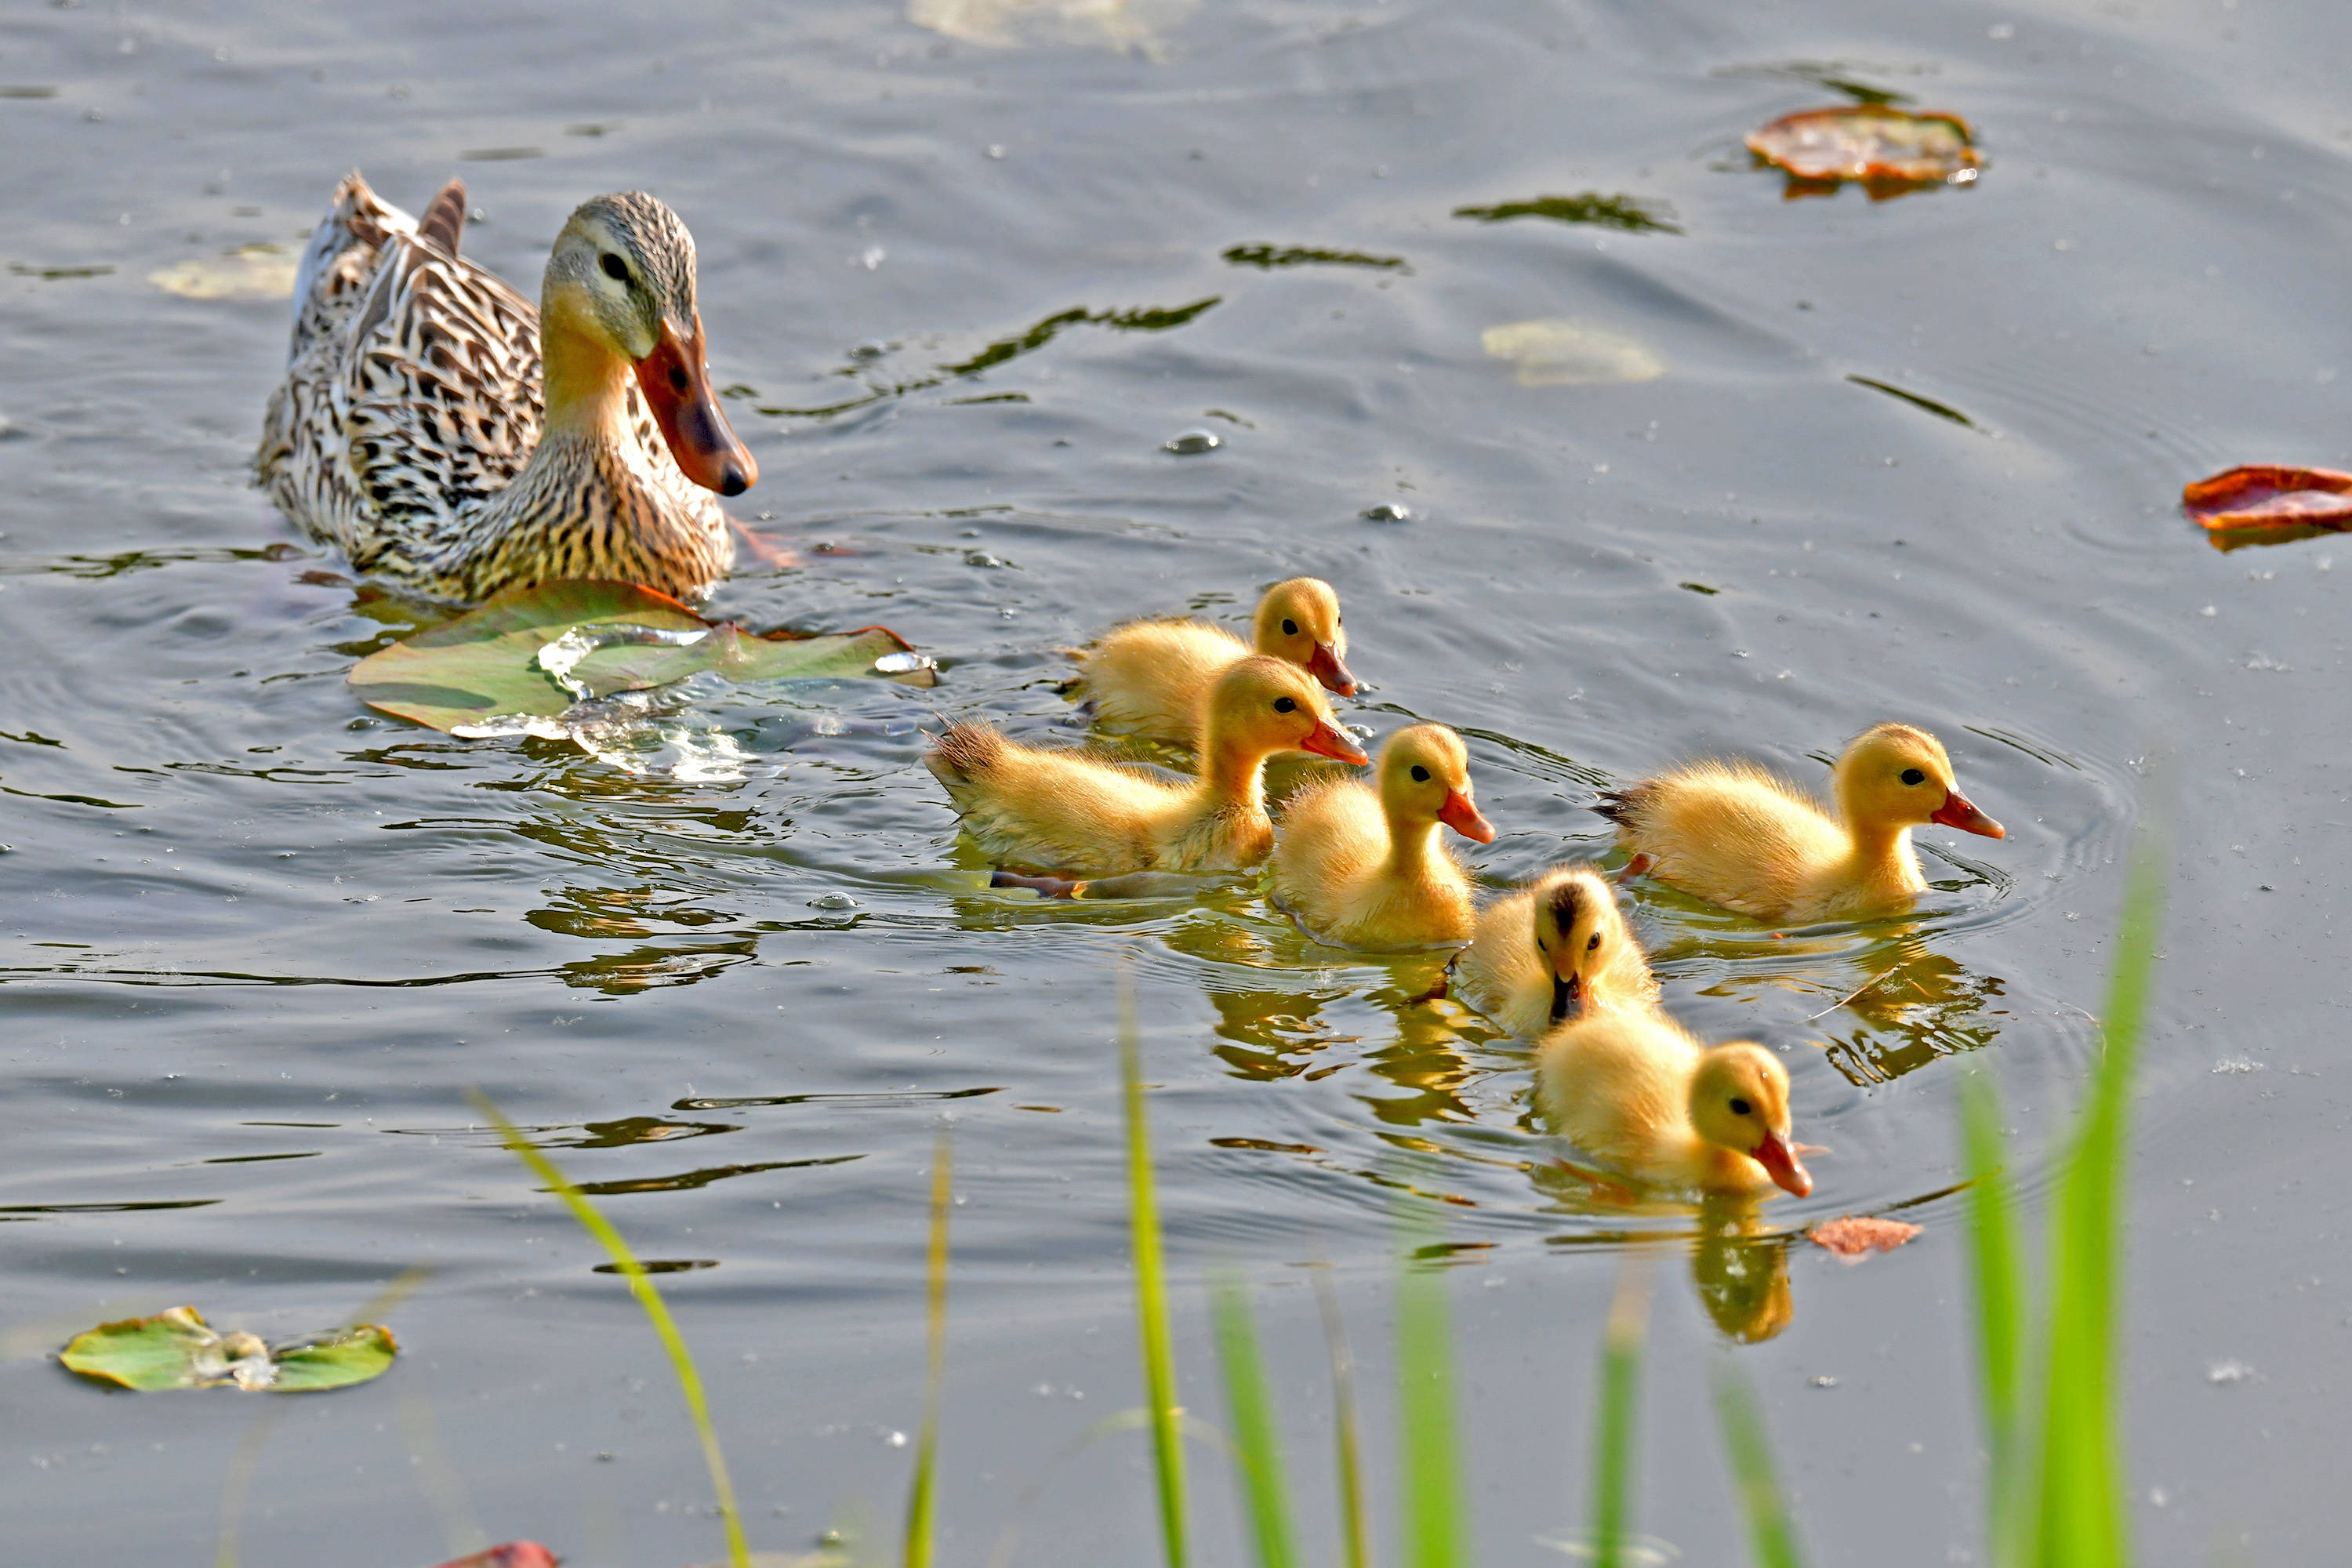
(1738, 837)
(1636, 1092)
(1557, 949)
(1362, 869)
(1063, 810)
(1151, 677)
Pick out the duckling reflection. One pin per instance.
(1738, 1266)
(1267, 1034)
(1741, 1273)
(1915, 1005)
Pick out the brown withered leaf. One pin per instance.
(1854, 1236)
(513, 1554)
(2267, 503)
(1887, 152)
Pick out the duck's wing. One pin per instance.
(414, 389)
(443, 387)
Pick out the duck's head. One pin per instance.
(1299, 621)
(1578, 932)
(1739, 1099)
(1899, 776)
(1263, 705)
(1426, 777)
(621, 276)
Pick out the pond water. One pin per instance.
(1702, 469)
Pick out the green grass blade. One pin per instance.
(1355, 1535)
(1615, 1439)
(1772, 1543)
(1257, 1439)
(641, 1284)
(919, 1494)
(2079, 1519)
(1999, 1290)
(1429, 1454)
(1151, 1294)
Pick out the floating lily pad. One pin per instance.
(1117, 24)
(178, 1350)
(1555, 351)
(534, 652)
(248, 272)
(2266, 504)
(1854, 1236)
(1886, 150)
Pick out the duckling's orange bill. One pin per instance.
(1779, 1163)
(1459, 815)
(1326, 668)
(676, 384)
(1957, 812)
(1330, 741)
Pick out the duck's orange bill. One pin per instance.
(1330, 740)
(1779, 1163)
(676, 384)
(1459, 815)
(1326, 668)
(1956, 812)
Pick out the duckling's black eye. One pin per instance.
(677, 378)
(1290, 628)
(1740, 1107)
(1593, 943)
(1286, 704)
(1913, 776)
(615, 267)
(1420, 774)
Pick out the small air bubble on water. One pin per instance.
(2228, 1371)
(1190, 443)
(1387, 511)
(2231, 1066)
(832, 901)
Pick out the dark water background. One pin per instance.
(257, 940)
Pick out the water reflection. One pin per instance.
(1738, 1265)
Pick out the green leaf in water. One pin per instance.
(179, 1349)
(534, 652)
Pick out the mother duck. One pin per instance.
(412, 430)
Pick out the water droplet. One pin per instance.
(1387, 511)
(1192, 442)
(2228, 1371)
(903, 663)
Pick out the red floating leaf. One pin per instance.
(1853, 1237)
(2262, 504)
(1886, 150)
(513, 1554)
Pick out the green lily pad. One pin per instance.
(178, 1350)
(534, 652)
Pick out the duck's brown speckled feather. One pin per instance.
(413, 406)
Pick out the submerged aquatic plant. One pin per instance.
(1152, 1294)
(641, 1284)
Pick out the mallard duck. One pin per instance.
(411, 431)
(1739, 837)
(1557, 949)
(1637, 1092)
(1362, 869)
(1062, 810)
(1148, 677)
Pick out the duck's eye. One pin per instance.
(1913, 776)
(1593, 943)
(1290, 628)
(677, 378)
(615, 267)
(1420, 774)
(1740, 1107)
(1286, 704)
